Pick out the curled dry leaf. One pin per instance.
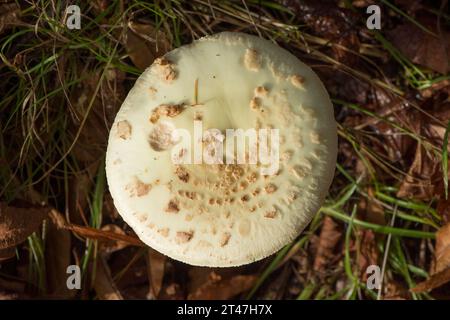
(144, 44)
(442, 251)
(18, 222)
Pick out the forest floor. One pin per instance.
(388, 205)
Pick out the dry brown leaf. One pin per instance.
(218, 288)
(103, 235)
(442, 251)
(423, 48)
(328, 239)
(104, 284)
(156, 265)
(367, 253)
(144, 44)
(18, 222)
(434, 281)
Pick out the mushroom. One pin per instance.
(197, 196)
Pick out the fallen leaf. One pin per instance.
(368, 252)
(328, 239)
(18, 222)
(442, 251)
(436, 280)
(144, 43)
(423, 48)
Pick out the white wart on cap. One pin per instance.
(223, 214)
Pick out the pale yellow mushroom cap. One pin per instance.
(222, 214)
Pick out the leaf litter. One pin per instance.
(355, 68)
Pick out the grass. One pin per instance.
(43, 63)
(445, 160)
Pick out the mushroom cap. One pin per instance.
(222, 215)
